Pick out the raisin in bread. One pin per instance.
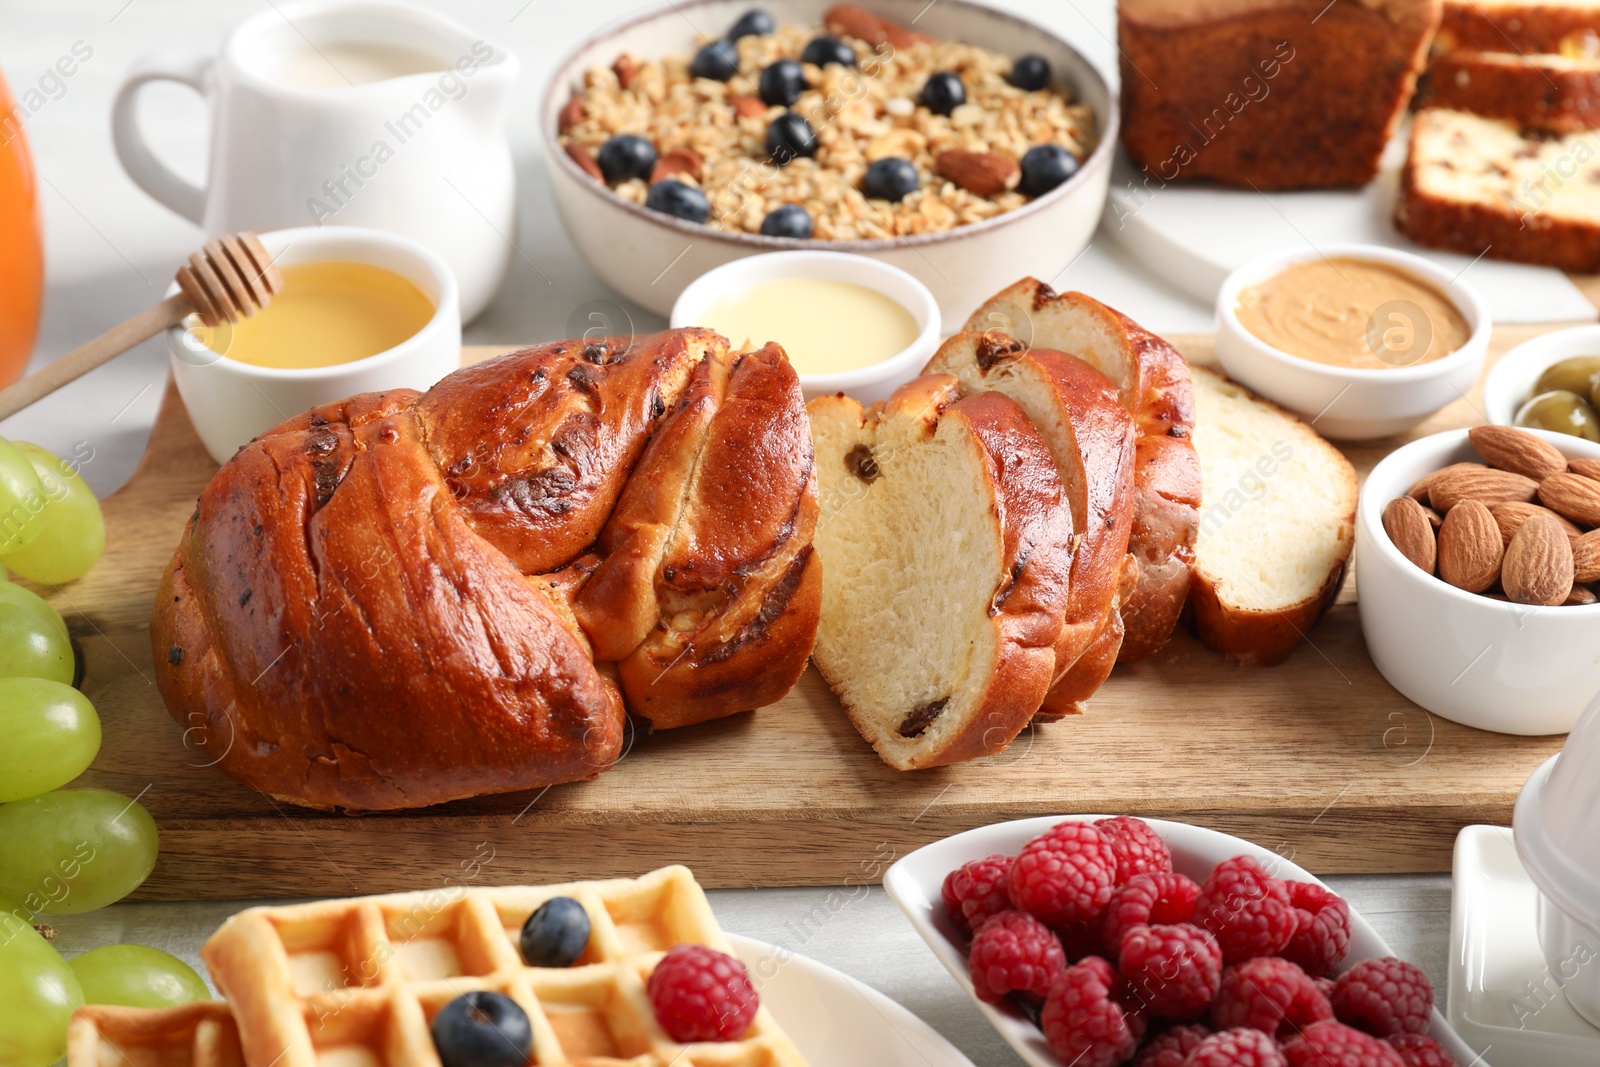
(1277, 526)
(1272, 94)
(1077, 411)
(1549, 92)
(1152, 380)
(1481, 185)
(945, 569)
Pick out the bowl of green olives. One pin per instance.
(1550, 383)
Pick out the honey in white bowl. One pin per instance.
(328, 312)
(825, 326)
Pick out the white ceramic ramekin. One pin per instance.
(1557, 832)
(231, 402)
(1343, 402)
(1510, 381)
(1510, 668)
(866, 384)
(650, 257)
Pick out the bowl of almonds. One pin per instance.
(1478, 563)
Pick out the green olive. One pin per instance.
(1580, 375)
(1561, 411)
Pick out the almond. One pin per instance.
(1586, 557)
(1419, 491)
(1488, 487)
(1538, 563)
(1434, 518)
(625, 68)
(1512, 515)
(1517, 451)
(1581, 595)
(979, 173)
(580, 155)
(571, 114)
(1406, 523)
(748, 106)
(677, 161)
(1589, 468)
(1470, 548)
(852, 20)
(1572, 495)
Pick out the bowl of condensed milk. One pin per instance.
(848, 324)
(1361, 341)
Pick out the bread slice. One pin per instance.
(1277, 526)
(1484, 186)
(1545, 91)
(1152, 381)
(944, 569)
(1560, 27)
(1077, 411)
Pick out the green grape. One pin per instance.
(74, 850)
(22, 499)
(71, 531)
(33, 639)
(136, 977)
(38, 994)
(51, 735)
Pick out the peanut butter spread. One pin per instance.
(1353, 313)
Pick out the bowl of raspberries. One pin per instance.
(1096, 941)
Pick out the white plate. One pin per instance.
(914, 883)
(837, 1021)
(1494, 954)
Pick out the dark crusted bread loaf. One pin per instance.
(373, 604)
(1272, 94)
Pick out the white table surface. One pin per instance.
(110, 250)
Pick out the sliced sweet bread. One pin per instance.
(1277, 526)
(1559, 27)
(1548, 92)
(1486, 186)
(1090, 435)
(945, 569)
(1152, 380)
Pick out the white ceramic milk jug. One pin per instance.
(353, 114)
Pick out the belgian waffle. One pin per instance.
(195, 1035)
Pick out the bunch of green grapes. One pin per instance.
(62, 850)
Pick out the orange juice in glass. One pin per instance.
(21, 256)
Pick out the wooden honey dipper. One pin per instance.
(230, 279)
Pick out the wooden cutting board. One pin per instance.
(1318, 759)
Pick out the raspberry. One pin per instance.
(1420, 1050)
(1156, 899)
(1014, 953)
(1246, 908)
(1322, 928)
(1171, 1048)
(1139, 848)
(1333, 1044)
(1384, 997)
(1082, 1024)
(1174, 970)
(1065, 875)
(1271, 995)
(700, 994)
(1236, 1048)
(1325, 986)
(975, 891)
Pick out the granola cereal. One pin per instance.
(712, 134)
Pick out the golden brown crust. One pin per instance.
(346, 624)
(1292, 95)
(1263, 638)
(1561, 97)
(1520, 27)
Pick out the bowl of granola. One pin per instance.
(962, 144)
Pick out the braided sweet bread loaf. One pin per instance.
(401, 599)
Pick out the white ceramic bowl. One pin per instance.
(231, 402)
(914, 884)
(1345, 402)
(650, 257)
(1510, 668)
(1510, 381)
(867, 384)
(1557, 827)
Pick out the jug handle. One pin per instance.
(147, 171)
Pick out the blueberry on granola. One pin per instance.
(626, 156)
(678, 199)
(753, 23)
(790, 220)
(890, 179)
(1030, 73)
(943, 92)
(718, 61)
(824, 50)
(781, 83)
(788, 136)
(1044, 167)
